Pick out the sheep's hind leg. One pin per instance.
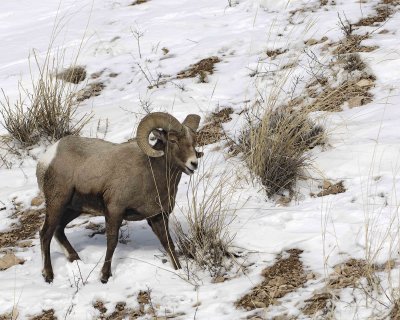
(159, 225)
(113, 223)
(67, 217)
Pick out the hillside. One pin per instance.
(325, 246)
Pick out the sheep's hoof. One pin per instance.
(73, 257)
(48, 276)
(104, 278)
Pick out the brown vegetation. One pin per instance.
(212, 131)
(91, 90)
(285, 276)
(73, 74)
(201, 68)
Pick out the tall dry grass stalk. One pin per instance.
(47, 111)
(203, 235)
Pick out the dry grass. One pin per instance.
(352, 44)
(285, 276)
(275, 147)
(332, 99)
(329, 188)
(73, 74)
(274, 53)
(202, 236)
(320, 303)
(27, 227)
(45, 315)
(48, 112)
(200, 69)
(91, 90)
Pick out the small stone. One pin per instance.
(259, 304)
(218, 279)
(311, 42)
(326, 184)
(9, 260)
(356, 101)
(365, 83)
(37, 201)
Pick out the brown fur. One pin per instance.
(117, 179)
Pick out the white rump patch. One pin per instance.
(49, 155)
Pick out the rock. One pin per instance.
(9, 260)
(326, 184)
(356, 101)
(365, 83)
(311, 42)
(218, 279)
(259, 304)
(37, 201)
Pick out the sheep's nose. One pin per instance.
(194, 164)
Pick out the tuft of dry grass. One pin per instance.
(203, 236)
(48, 112)
(275, 146)
(285, 276)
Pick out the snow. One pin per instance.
(364, 145)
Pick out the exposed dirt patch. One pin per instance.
(285, 276)
(212, 131)
(146, 308)
(45, 315)
(274, 53)
(394, 313)
(345, 275)
(382, 13)
(28, 225)
(91, 90)
(200, 69)
(332, 99)
(73, 74)
(138, 2)
(330, 188)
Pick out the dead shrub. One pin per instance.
(275, 146)
(48, 112)
(202, 236)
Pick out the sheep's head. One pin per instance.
(177, 141)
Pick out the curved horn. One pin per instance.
(152, 121)
(192, 121)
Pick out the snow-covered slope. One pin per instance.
(363, 147)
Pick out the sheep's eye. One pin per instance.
(173, 141)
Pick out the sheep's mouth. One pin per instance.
(188, 170)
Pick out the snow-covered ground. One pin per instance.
(364, 146)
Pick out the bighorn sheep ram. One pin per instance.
(129, 181)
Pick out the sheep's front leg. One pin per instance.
(159, 225)
(113, 223)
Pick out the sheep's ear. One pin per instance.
(160, 135)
